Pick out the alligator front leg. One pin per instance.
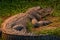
(42, 23)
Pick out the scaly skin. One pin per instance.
(14, 24)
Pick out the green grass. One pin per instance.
(12, 7)
(29, 26)
(0, 21)
(55, 32)
(8, 7)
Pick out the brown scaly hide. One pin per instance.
(22, 20)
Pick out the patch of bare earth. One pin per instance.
(55, 24)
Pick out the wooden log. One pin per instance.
(22, 37)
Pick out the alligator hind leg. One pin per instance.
(34, 21)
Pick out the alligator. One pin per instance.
(17, 24)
